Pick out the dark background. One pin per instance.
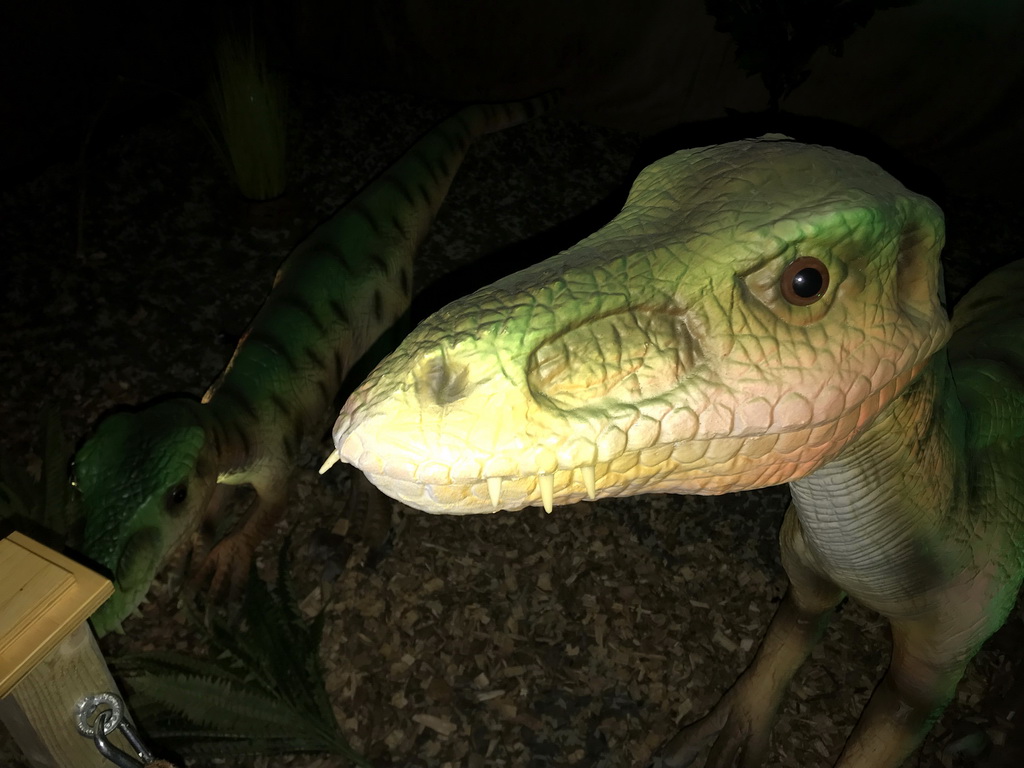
(939, 79)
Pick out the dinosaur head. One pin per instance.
(751, 310)
(144, 484)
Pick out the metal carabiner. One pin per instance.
(107, 721)
(118, 757)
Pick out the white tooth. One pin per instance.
(547, 491)
(589, 480)
(494, 489)
(330, 461)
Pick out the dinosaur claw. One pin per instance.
(224, 571)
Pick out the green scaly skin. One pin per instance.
(760, 312)
(148, 478)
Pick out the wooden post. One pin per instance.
(49, 659)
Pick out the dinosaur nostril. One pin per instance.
(441, 380)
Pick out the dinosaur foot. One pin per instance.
(737, 730)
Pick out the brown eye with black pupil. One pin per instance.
(176, 495)
(804, 282)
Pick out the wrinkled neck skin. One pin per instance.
(237, 438)
(887, 519)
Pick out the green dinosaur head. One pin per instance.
(750, 311)
(144, 483)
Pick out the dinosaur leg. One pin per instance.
(739, 725)
(921, 680)
(226, 567)
(187, 559)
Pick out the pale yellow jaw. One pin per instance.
(709, 467)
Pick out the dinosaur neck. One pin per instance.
(900, 487)
(232, 434)
(338, 291)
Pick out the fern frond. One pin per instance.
(220, 704)
(170, 663)
(261, 690)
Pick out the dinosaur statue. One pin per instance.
(759, 312)
(150, 479)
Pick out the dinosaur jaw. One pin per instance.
(632, 473)
(133, 574)
(446, 475)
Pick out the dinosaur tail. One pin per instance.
(988, 323)
(986, 356)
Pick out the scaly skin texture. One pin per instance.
(760, 312)
(149, 478)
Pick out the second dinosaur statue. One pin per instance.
(149, 478)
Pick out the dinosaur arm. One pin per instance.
(226, 565)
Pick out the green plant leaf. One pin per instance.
(250, 106)
(220, 704)
(260, 689)
(170, 663)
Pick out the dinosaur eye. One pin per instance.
(176, 496)
(804, 282)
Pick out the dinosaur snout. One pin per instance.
(623, 357)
